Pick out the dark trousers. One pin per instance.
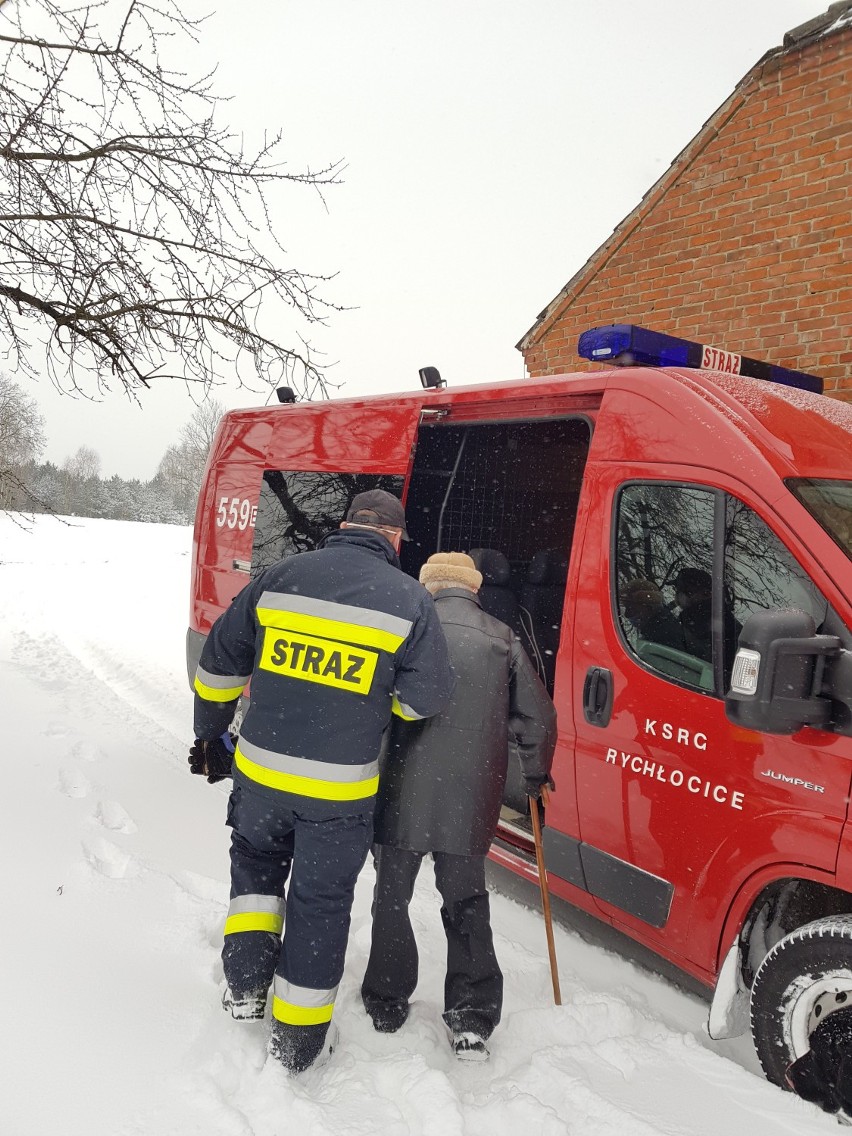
(473, 988)
(273, 838)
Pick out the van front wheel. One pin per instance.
(805, 977)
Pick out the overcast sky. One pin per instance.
(490, 147)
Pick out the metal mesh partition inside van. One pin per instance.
(511, 486)
(507, 481)
(485, 507)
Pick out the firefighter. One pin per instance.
(441, 791)
(334, 641)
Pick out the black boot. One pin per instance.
(246, 1007)
(387, 1017)
(300, 1047)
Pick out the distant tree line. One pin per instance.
(76, 488)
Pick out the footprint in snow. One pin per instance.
(198, 886)
(73, 782)
(107, 858)
(113, 816)
(85, 751)
(54, 730)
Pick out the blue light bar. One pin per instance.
(626, 344)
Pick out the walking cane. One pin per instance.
(545, 894)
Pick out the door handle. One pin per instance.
(597, 696)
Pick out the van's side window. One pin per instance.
(665, 592)
(297, 509)
(761, 575)
(664, 589)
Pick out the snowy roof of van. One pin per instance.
(800, 434)
(836, 18)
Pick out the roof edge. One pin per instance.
(836, 18)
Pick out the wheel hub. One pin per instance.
(826, 1004)
(817, 1001)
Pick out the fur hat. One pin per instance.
(641, 593)
(450, 570)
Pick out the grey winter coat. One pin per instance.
(442, 779)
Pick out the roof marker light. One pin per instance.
(626, 344)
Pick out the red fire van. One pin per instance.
(675, 546)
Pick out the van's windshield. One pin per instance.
(830, 502)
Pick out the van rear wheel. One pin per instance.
(804, 978)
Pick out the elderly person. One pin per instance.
(646, 609)
(440, 793)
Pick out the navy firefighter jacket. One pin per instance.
(334, 642)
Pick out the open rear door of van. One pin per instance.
(281, 477)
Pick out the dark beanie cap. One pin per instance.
(378, 508)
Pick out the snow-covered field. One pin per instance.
(114, 892)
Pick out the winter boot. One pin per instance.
(302, 1047)
(469, 1046)
(332, 1039)
(387, 1017)
(245, 1007)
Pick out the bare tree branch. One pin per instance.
(137, 237)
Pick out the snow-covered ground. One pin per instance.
(114, 892)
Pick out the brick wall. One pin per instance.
(746, 242)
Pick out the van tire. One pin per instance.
(806, 975)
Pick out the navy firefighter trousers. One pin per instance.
(321, 847)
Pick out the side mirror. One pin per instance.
(776, 681)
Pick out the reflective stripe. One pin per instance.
(240, 904)
(302, 995)
(220, 682)
(255, 913)
(254, 921)
(300, 1005)
(402, 710)
(300, 1016)
(305, 766)
(306, 786)
(211, 694)
(363, 626)
(219, 688)
(345, 613)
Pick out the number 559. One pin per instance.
(235, 513)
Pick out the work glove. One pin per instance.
(534, 785)
(212, 760)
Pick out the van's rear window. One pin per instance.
(831, 503)
(297, 509)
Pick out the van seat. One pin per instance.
(496, 595)
(542, 597)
